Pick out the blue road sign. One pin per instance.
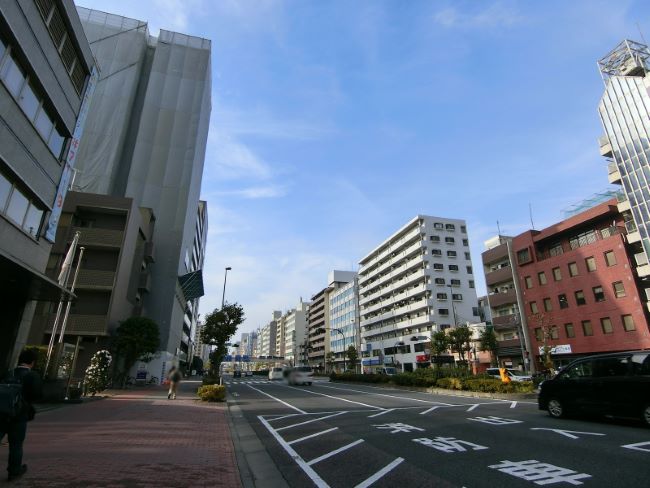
(246, 358)
(237, 357)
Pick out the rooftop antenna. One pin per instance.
(498, 229)
(641, 33)
(530, 213)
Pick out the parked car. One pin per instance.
(616, 384)
(248, 373)
(301, 375)
(276, 373)
(512, 374)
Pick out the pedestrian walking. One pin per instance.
(22, 389)
(174, 376)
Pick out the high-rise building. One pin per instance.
(343, 316)
(294, 325)
(45, 66)
(145, 140)
(318, 323)
(418, 281)
(267, 336)
(624, 114)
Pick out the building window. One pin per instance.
(541, 277)
(610, 258)
(573, 269)
(628, 323)
(467, 256)
(528, 281)
(438, 226)
(557, 274)
(599, 295)
(587, 329)
(450, 227)
(591, 263)
(456, 296)
(564, 303)
(438, 266)
(451, 254)
(533, 307)
(523, 256)
(538, 334)
(443, 311)
(465, 242)
(554, 332)
(547, 304)
(580, 297)
(19, 208)
(469, 270)
(436, 252)
(453, 267)
(450, 240)
(606, 325)
(556, 249)
(619, 289)
(583, 239)
(471, 283)
(434, 238)
(463, 229)
(441, 296)
(455, 282)
(439, 281)
(568, 328)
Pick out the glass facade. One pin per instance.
(344, 316)
(625, 114)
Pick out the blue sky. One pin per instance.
(335, 122)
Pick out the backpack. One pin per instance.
(12, 403)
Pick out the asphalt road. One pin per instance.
(351, 435)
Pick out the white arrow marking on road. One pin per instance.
(567, 433)
(381, 413)
(637, 446)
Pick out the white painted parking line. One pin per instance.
(334, 452)
(380, 473)
(295, 441)
(336, 398)
(391, 396)
(513, 404)
(310, 421)
(282, 417)
(318, 481)
(276, 399)
(473, 407)
(429, 410)
(381, 413)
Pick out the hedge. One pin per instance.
(212, 393)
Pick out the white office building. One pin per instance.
(294, 324)
(418, 281)
(343, 320)
(266, 337)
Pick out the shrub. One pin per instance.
(97, 374)
(450, 383)
(413, 379)
(486, 385)
(212, 393)
(362, 378)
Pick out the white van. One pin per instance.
(276, 374)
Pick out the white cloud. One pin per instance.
(256, 192)
(230, 159)
(497, 14)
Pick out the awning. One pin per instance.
(19, 278)
(192, 285)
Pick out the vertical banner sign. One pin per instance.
(71, 158)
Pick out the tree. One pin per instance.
(438, 345)
(197, 364)
(543, 323)
(329, 360)
(97, 374)
(352, 356)
(220, 325)
(460, 340)
(488, 342)
(135, 338)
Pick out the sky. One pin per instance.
(334, 123)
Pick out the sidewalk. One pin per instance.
(137, 438)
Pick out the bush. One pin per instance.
(362, 378)
(212, 393)
(414, 379)
(97, 374)
(450, 383)
(486, 385)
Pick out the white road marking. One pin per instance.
(639, 446)
(566, 433)
(334, 452)
(381, 413)
(318, 481)
(276, 399)
(380, 473)
(513, 404)
(391, 396)
(295, 441)
(283, 417)
(473, 407)
(310, 421)
(429, 410)
(336, 398)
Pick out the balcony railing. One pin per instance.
(95, 279)
(596, 236)
(98, 237)
(80, 324)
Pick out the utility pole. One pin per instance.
(223, 296)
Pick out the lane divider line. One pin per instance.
(334, 452)
(309, 421)
(385, 470)
(276, 399)
(381, 413)
(429, 410)
(391, 396)
(336, 398)
(513, 404)
(296, 441)
(318, 481)
(473, 407)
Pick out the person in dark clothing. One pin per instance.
(16, 428)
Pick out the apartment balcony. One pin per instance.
(505, 322)
(613, 175)
(498, 276)
(101, 238)
(605, 146)
(144, 281)
(411, 307)
(633, 234)
(623, 204)
(396, 327)
(498, 299)
(642, 266)
(390, 288)
(392, 247)
(77, 324)
(497, 253)
(510, 347)
(149, 252)
(94, 279)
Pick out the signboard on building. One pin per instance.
(560, 349)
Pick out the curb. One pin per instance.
(256, 468)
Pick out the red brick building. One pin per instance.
(581, 286)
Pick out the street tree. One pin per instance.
(220, 325)
(488, 342)
(548, 332)
(439, 344)
(135, 338)
(460, 341)
(329, 360)
(352, 356)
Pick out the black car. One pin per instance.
(616, 384)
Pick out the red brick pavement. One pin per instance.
(135, 439)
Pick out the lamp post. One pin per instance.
(225, 277)
(340, 332)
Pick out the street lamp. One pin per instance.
(225, 277)
(340, 332)
(453, 308)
